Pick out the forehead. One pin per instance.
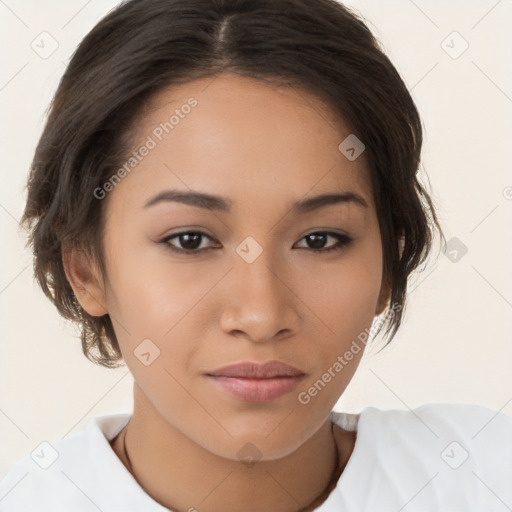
(236, 136)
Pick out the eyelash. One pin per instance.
(343, 241)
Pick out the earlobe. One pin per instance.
(83, 277)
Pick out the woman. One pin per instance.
(224, 197)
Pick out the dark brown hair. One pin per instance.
(143, 46)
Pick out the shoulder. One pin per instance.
(454, 453)
(470, 427)
(448, 416)
(453, 434)
(51, 476)
(458, 417)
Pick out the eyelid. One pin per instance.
(343, 240)
(166, 238)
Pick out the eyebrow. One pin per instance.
(213, 202)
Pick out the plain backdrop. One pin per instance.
(455, 344)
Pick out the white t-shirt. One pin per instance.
(436, 457)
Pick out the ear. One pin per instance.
(84, 278)
(384, 296)
(386, 288)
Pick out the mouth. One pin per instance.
(256, 382)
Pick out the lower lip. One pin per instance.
(257, 390)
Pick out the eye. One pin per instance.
(191, 241)
(319, 238)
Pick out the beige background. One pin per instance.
(456, 342)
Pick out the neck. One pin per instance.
(183, 476)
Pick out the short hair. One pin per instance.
(143, 46)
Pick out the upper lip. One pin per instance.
(255, 370)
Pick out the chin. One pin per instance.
(256, 440)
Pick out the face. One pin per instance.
(246, 276)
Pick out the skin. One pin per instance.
(263, 147)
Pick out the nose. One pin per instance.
(259, 303)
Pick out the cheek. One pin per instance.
(149, 294)
(347, 308)
(346, 294)
(159, 312)
(346, 305)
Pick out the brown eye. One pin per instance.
(316, 241)
(190, 241)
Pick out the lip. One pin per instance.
(257, 382)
